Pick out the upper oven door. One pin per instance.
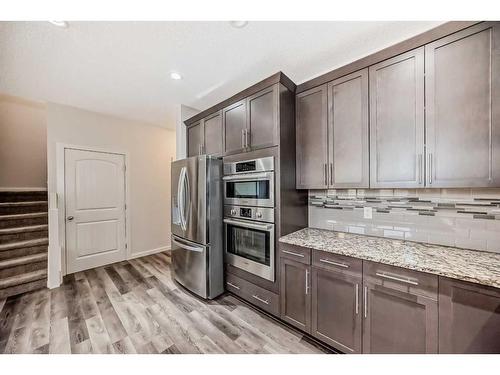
(250, 189)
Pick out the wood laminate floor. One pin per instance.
(135, 307)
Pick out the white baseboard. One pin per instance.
(21, 189)
(149, 252)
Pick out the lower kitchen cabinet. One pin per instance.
(469, 317)
(336, 309)
(295, 294)
(400, 310)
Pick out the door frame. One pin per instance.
(60, 198)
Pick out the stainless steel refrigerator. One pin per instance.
(197, 244)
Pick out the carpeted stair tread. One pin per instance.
(23, 279)
(29, 228)
(21, 244)
(27, 259)
(23, 216)
(17, 204)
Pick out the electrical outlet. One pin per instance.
(367, 212)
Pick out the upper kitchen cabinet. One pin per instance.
(397, 121)
(312, 138)
(234, 120)
(262, 124)
(463, 108)
(348, 131)
(194, 139)
(212, 132)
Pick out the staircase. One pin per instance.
(23, 242)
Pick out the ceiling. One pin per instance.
(123, 68)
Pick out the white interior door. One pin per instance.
(95, 209)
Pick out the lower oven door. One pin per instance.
(250, 246)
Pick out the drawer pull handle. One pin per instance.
(260, 299)
(232, 285)
(334, 263)
(396, 278)
(292, 253)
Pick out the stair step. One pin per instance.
(29, 228)
(26, 219)
(19, 204)
(10, 208)
(22, 244)
(22, 216)
(23, 279)
(22, 196)
(27, 259)
(23, 288)
(16, 253)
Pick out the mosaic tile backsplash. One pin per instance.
(465, 218)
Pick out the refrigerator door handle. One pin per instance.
(181, 194)
(187, 247)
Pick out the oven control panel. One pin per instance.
(250, 213)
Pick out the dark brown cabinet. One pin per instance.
(399, 310)
(262, 129)
(348, 152)
(469, 317)
(234, 122)
(462, 93)
(336, 301)
(212, 134)
(295, 293)
(194, 139)
(312, 138)
(397, 121)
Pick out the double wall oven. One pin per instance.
(249, 216)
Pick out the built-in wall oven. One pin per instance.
(249, 183)
(249, 240)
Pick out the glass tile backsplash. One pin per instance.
(466, 218)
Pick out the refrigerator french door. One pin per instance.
(196, 225)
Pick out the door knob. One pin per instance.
(70, 218)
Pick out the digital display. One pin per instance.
(246, 212)
(247, 166)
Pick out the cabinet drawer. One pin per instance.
(254, 294)
(401, 279)
(295, 253)
(336, 262)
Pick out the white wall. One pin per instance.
(23, 145)
(150, 150)
(183, 113)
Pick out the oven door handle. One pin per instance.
(246, 224)
(248, 176)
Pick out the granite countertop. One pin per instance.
(469, 265)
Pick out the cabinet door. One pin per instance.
(463, 108)
(469, 318)
(336, 309)
(194, 139)
(263, 118)
(234, 120)
(398, 322)
(312, 139)
(295, 294)
(212, 129)
(397, 121)
(348, 131)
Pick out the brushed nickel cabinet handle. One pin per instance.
(243, 138)
(292, 253)
(331, 174)
(334, 263)
(397, 278)
(357, 299)
(232, 285)
(307, 282)
(365, 301)
(260, 299)
(430, 168)
(247, 138)
(326, 174)
(420, 172)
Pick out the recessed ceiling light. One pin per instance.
(175, 75)
(63, 24)
(238, 24)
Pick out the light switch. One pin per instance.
(367, 212)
